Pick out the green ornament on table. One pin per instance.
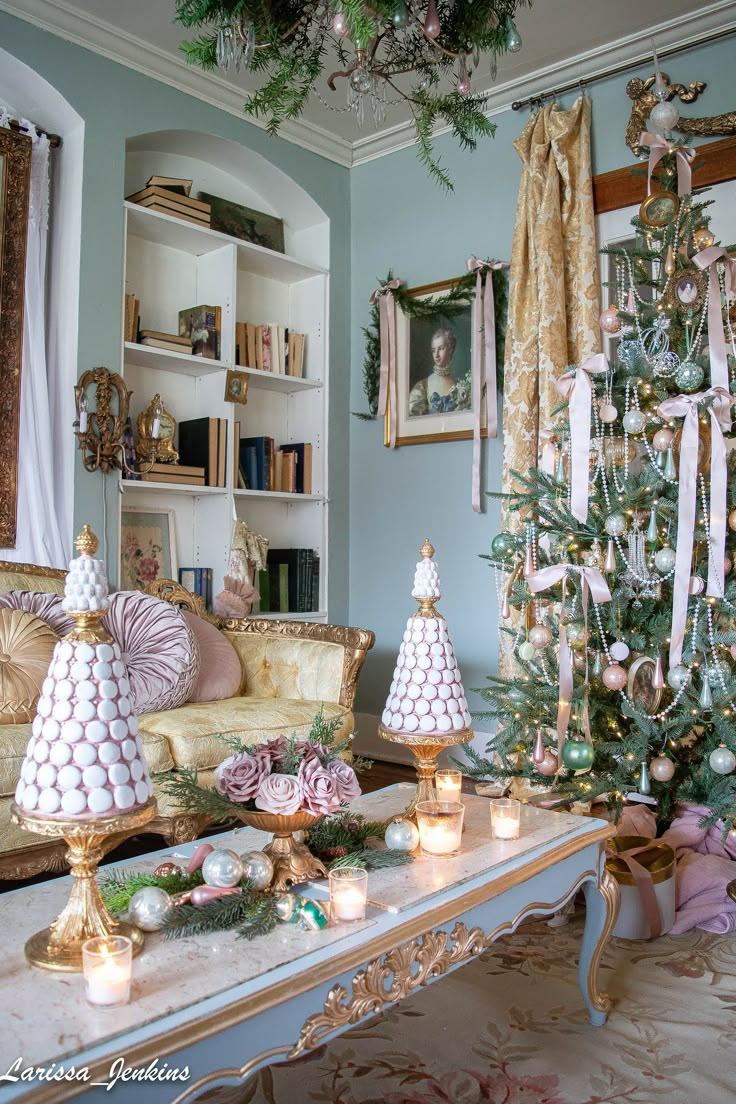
(578, 755)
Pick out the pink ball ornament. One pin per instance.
(607, 413)
(540, 636)
(663, 439)
(697, 585)
(340, 24)
(549, 764)
(610, 321)
(614, 677)
(661, 768)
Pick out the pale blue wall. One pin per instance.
(116, 103)
(402, 221)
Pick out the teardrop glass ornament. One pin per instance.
(631, 302)
(505, 608)
(610, 564)
(560, 472)
(652, 533)
(528, 561)
(463, 80)
(645, 786)
(539, 749)
(670, 470)
(658, 676)
(669, 261)
(706, 697)
(432, 20)
(513, 38)
(400, 17)
(597, 664)
(660, 460)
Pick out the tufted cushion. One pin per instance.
(287, 667)
(45, 605)
(220, 673)
(26, 646)
(17, 579)
(158, 648)
(192, 731)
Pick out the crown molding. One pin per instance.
(84, 30)
(680, 31)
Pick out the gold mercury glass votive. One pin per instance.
(505, 817)
(348, 893)
(440, 825)
(107, 964)
(448, 784)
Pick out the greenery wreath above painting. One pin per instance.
(456, 300)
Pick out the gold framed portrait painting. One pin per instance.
(434, 354)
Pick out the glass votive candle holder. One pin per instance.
(440, 825)
(348, 893)
(107, 965)
(448, 784)
(505, 816)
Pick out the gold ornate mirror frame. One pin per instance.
(15, 178)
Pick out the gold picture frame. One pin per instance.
(659, 209)
(639, 687)
(15, 181)
(431, 426)
(686, 290)
(236, 387)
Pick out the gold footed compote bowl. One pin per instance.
(59, 947)
(292, 862)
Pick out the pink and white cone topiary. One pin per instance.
(84, 758)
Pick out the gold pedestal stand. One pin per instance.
(59, 947)
(293, 862)
(425, 750)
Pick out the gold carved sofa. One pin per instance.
(290, 670)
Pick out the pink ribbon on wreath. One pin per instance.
(575, 386)
(387, 329)
(708, 258)
(659, 147)
(484, 330)
(719, 409)
(593, 582)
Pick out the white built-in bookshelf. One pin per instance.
(171, 265)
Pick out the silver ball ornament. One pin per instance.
(664, 116)
(540, 636)
(361, 80)
(258, 869)
(222, 868)
(615, 525)
(722, 760)
(634, 421)
(402, 835)
(149, 907)
(664, 560)
(619, 650)
(661, 769)
(689, 376)
(678, 677)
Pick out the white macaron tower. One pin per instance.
(84, 776)
(426, 708)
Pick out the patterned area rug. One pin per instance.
(510, 1028)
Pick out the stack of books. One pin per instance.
(197, 580)
(132, 317)
(290, 582)
(174, 473)
(263, 467)
(157, 339)
(269, 348)
(172, 198)
(203, 446)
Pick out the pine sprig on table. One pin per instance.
(371, 858)
(181, 784)
(117, 887)
(252, 913)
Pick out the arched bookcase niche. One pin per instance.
(172, 264)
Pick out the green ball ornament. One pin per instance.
(578, 755)
(527, 651)
(689, 376)
(502, 546)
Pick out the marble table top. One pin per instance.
(46, 1018)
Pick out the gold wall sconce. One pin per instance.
(100, 425)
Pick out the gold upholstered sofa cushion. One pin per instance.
(289, 667)
(192, 730)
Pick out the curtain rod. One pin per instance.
(54, 139)
(614, 71)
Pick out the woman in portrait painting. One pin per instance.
(440, 392)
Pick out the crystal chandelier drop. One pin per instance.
(423, 54)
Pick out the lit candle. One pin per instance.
(505, 815)
(107, 966)
(83, 421)
(448, 784)
(348, 893)
(440, 826)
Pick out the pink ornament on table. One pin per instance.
(610, 322)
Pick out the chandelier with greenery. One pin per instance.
(422, 53)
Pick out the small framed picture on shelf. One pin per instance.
(147, 547)
(433, 368)
(236, 387)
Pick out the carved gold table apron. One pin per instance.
(214, 1009)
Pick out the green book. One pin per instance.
(264, 591)
(283, 588)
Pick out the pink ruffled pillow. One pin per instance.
(46, 606)
(158, 649)
(220, 673)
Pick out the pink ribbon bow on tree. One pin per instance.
(484, 335)
(718, 403)
(387, 320)
(659, 147)
(591, 580)
(575, 386)
(708, 259)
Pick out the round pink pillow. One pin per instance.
(220, 673)
(46, 606)
(158, 649)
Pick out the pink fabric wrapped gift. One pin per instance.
(705, 866)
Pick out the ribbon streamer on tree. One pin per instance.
(688, 407)
(591, 580)
(659, 147)
(484, 337)
(708, 259)
(576, 387)
(387, 316)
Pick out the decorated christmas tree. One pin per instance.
(617, 596)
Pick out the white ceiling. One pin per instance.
(562, 40)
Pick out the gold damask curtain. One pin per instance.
(554, 296)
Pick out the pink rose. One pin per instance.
(269, 753)
(318, 787)
(279, 794)
(313, 751)
(239, 777)
(345, 779)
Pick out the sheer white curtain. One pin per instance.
(39, 526)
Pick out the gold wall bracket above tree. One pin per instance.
(641, 92)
